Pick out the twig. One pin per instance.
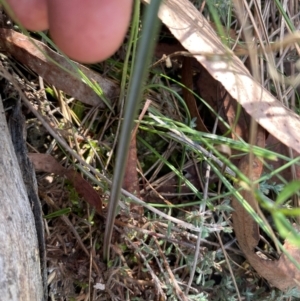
(178, 290)
(149, 269)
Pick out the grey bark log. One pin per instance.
(20, 271)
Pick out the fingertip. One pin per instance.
(32, 14)
(89, 33)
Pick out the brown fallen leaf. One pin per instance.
(196, 35)
(280, 273)
(131, 179)
(187, 81)
(37, 56)
(217, 97)
(46, 163)
(286, 265)
(211, 90)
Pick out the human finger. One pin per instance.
(32, 14)
(89, 31)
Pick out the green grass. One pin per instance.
(184, 244)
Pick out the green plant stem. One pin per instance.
(145, 50)
(131, 50)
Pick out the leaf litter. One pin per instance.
(227, 74)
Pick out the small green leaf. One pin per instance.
(289, 212)
(289, 190)
(285, 229)
(50, 92)
(58, 213)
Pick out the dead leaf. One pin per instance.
(217, 97)
(281, 273)
(36, 56)
(46, 163)
(198, 37)
(286, 265)
(187, 81)
(131, 180)
(245, 228)
(211, 91)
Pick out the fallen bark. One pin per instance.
(56, 70)
(20, 270)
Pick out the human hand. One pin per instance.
(87, 31)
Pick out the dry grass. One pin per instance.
(151, 255)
